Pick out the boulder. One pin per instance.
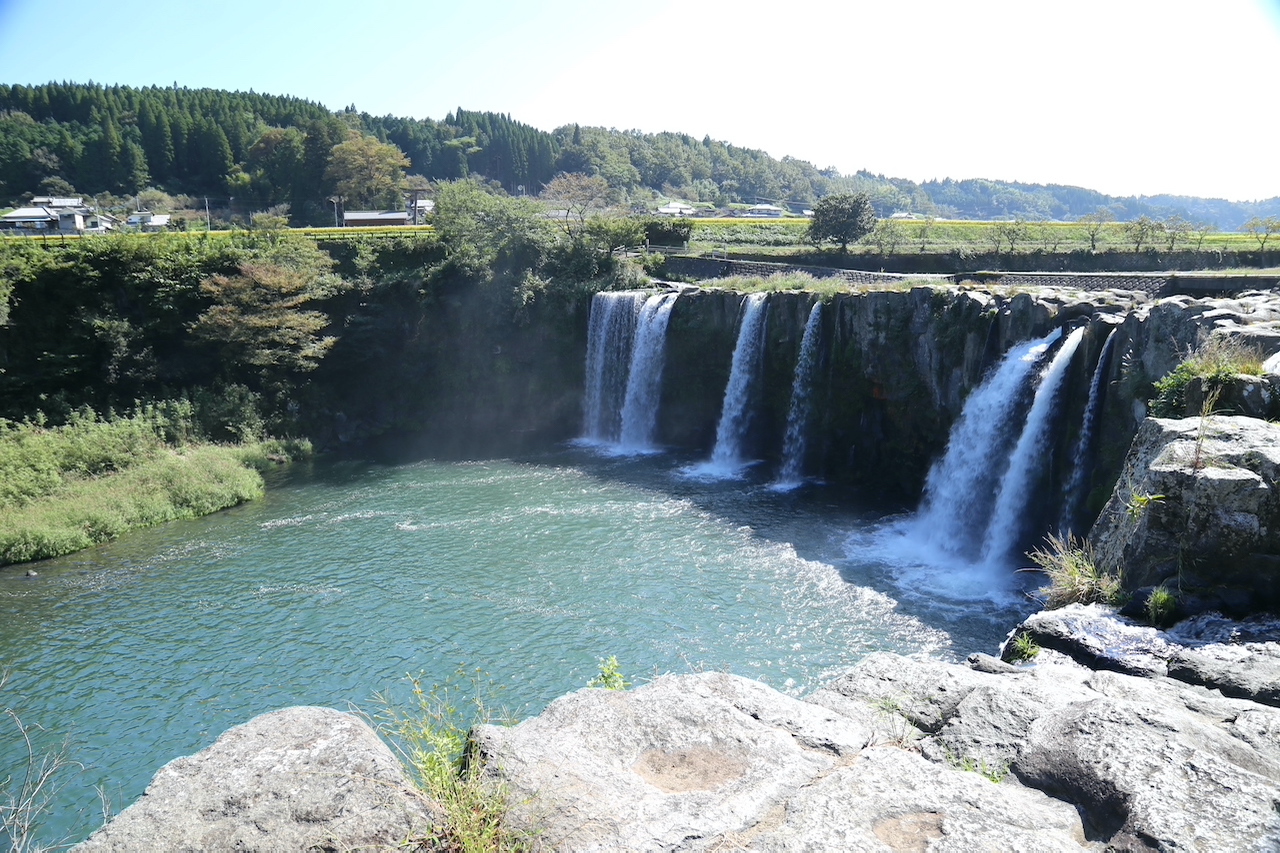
(296, 779)
(714, 761)
(1197, 508)
(1150, 763)
(1239, 659)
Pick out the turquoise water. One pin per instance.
(349, 575)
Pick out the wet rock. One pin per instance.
(1099, 638)
(296, 779)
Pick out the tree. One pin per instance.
(842, 218)
(367, 173)
(1014, 232)
(1175, 228)
(1203, 230)
(579, 196)
(1094, 223)
(260, 317)
(887, 234)
(1141, 230)
(1262, 229)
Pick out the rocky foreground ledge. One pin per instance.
(896, 754)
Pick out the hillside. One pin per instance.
(246, 151)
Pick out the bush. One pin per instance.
(1073, 573)
(172, 484)
(1215, 360)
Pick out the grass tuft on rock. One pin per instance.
(432, 735)
(1074, 575)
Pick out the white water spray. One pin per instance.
(961, 487)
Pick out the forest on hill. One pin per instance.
(246, 152)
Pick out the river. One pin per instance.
(350, 575)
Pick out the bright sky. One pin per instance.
(1123, 96)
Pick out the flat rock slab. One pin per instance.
(296, 779)
(715, 761)
(1240, 659)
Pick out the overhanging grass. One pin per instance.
(170, 484)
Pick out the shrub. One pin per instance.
(1073, 573)
(1216, 359)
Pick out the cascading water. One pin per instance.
(1005, 528)
(726, 458)
(609, 338)
(644, 379)
(1082, 458)
(793, 444)
(961, 487)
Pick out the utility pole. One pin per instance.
(208, 223)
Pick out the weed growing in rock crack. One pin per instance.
(1161, 604)
(1198, 459)
(1138, 504)
(1024, 648)
(610, 676)
(1073, 573)
(995, 773)
(899, 731)
(432, 736)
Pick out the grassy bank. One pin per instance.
(69, 487)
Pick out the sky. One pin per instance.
(1129, 97)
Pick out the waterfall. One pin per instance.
(793, 444)
(1028, 459)
(1082, 458)
(961, 487)
(735, 412)
(644, 379)
(609, 338)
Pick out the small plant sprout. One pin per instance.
(610, 677)
(1162, 603)
(432, 735)
(1138, 504)
(1024, 648)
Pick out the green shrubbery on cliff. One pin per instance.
(88, 481)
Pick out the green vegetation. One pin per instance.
(66, 488)
(1073, 573)
(248, 153)
(1024, 648)
(432, 735)
(1161, 607)
(610, 676)
(994, 773)
(843, 218)
(1214, 362)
